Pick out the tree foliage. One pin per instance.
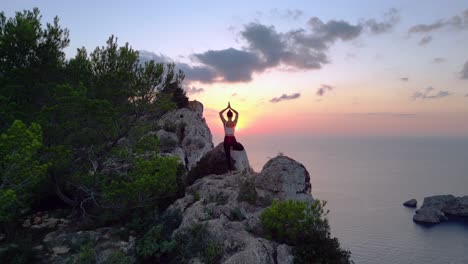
(79, 109)
(20, 168)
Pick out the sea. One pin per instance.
(365, 180)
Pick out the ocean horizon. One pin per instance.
(365, 180)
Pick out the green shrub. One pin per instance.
(117, 258)
(149, 181)
(154, 244)
(196, 242)
(87, 255)
(304, 226)
(196, 196)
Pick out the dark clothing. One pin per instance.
(230, 141)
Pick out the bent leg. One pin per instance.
(227, 151)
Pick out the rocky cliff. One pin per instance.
(228, 205)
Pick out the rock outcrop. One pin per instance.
(230, 206)
(436, 209)
(411, 203)
(214, 162)
(188, 133)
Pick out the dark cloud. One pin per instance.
(197, 73)
(266, 41)
(232, 65)
(391, 18)
(439, 60)
(194, 90)
(404, 79)
(285, 97)
(424, 28)
(267, 48)
(458, 22)
(464, 71)
(324, 88)
(425, 40)
(429, 93)
(192, 73)
(297, 49)
(146, 56)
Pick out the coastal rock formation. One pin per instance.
(285, 178)
(435, 209)
(187, 129)
(230, 206)
(214, 162)
(411, 203)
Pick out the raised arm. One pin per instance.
(237, 115)
(222, 116)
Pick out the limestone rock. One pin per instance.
(192, 131)
(235, 223)
(241, 161)
(429, 215)
(435, 209)
(458, 207)
(213, 162)
(284, 178)
(411, 203)
(196, 106)
(284, 254)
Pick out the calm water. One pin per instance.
(365, 181)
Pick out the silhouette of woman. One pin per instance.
(229, 128)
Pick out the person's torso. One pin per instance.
(229, 128)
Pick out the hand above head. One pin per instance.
(229, 104)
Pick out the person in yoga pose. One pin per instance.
(229, 128)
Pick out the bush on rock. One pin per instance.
(304, 226)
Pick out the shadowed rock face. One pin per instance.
(411, 203)
(214, 162)
(436, 208)
(213, 199)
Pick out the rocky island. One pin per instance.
(438, 208)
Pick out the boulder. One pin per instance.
(284, 178)
(435, 209)
(241, 161)
(214, 162)
(234, 223)
(411, 203)
(192, 131)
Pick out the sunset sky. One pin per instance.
(395, 68)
